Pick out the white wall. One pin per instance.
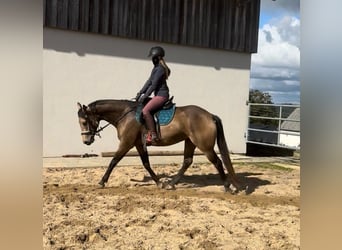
(83, 67)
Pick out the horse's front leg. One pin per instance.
(146, 162)
(119, 154)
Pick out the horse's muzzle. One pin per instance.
(87, 137)
(88, 142)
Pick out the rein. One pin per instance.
(122, 116)
(97, 132)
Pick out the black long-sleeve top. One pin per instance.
(156, 83)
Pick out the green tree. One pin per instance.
(257, 96)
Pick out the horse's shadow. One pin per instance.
(247, 179)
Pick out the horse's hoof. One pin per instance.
(247, 190)
(160, 185)
(101, 184)
(168, 186)
(232, 189)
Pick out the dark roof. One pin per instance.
(219, 24)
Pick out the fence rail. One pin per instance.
(274, 125)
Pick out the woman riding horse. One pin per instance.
(157, 84)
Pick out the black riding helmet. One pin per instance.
(156, 51)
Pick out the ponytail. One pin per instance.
(167, 69)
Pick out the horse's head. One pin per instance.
(88, 123)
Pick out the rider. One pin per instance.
(155, 84)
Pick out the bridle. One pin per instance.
(96, 132)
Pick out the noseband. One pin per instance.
(91, 131)
(97, 132)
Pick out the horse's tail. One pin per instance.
(223, 148)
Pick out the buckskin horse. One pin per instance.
(191, 124)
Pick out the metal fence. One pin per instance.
(274, 125)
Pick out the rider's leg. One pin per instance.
(150, 108)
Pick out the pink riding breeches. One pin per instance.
(150, 108)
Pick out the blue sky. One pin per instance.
(276, 67)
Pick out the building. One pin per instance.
(290, 130)
(98, 50)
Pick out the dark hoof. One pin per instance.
(248, 190)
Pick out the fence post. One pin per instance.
(279, 123)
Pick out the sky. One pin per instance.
(275, 68)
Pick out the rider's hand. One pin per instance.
(142, 98)
(137, 96)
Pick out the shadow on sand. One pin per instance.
(248, 180)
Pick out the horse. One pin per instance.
(192, 124)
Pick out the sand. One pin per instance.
(131, 212)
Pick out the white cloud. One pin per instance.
(279, 44)
(289, 30)
(275, 68)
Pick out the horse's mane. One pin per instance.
(131, 104)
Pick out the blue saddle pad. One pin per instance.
(164, 116)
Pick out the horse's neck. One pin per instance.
(112, 110)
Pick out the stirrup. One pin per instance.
(155, 137)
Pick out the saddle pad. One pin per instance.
(164, 116)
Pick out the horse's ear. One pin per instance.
(86, 108)
(79, 105)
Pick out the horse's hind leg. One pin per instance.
(189, 149)
(213, 158)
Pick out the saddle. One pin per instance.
(162, 117)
